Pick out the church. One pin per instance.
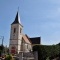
(20, 42)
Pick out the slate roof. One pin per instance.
(36, 40)
(16, 19)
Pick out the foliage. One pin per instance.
(4, 50)
(41, 52)
(45, 51)
(0, 53)
(8, 57)
(1, 49)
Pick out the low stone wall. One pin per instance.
(28, 56)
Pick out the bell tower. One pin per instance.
(15, 35)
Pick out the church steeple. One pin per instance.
(17, 19)
(16, 35)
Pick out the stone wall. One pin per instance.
(28, 56)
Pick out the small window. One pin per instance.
(14, 30)
(20, 30)
(13, 48)
(26, 46)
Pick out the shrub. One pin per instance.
(8, 57)
(44, 51)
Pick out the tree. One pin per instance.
(1, 49)
(41, 52)
(45, 51)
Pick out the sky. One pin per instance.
(40, 18)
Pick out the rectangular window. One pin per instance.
(20, 30)
(14, 30)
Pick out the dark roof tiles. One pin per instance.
(36, 40)
(16, 19)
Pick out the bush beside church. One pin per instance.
(47, 51)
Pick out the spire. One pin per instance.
(17, 19)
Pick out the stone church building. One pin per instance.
(20, 42)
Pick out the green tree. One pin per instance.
(44, 51)
(41, 52)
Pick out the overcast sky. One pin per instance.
(40, 18)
